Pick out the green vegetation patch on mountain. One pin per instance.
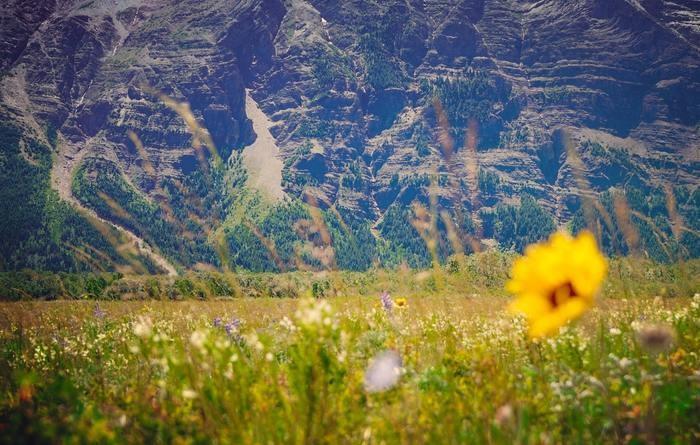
(38, 230)
(99, 184)
(287, 236)
(381, 70)
(331, 66)
(473, 95)
(662, 225)
(515, 227)
(406, 236)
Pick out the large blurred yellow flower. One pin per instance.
(556, 281)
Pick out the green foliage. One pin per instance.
(514, 135)
(43, 233)
(354, 245)
(488, 182)
(208, 193)
(247, 250)
(279, 226)
(483, 273)
(276, 225)
(487, 270)
(52, 135)
(381, 70)
(394, 181)
(100, 185)
(616, 161)
(421, 137)
(651, 224)
(39, 231)
(469, 97)
(353, 179)
(315, 128)
(517, 227)
(320, 288)
(330, 66)
(351, 240)
(30, 285)
(403, 242)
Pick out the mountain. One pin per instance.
(161, 135)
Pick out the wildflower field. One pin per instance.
(435, 369)
(538, 355)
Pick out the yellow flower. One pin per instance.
(401, 302)
(556, 281)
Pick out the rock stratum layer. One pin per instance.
(361, 106)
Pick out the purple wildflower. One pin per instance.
(217, 322)
(387, 302)
(232, 326)
(98, 312)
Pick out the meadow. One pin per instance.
(439, 360)
(370, 288)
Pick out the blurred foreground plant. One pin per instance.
(557, 281)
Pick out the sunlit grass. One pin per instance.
(293, 371)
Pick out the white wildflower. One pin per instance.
(383, 372)
(504, 415)
(595, 382)
(313, 312)
(188, 394)
(585, 393)
(197, 339)
(624, 362)
(342, 356)
(288, 324)
(143, 327)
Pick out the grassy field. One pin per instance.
(441, 369)
(483, 274)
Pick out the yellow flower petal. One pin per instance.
(550, 323)
(529, 305)
(556, 281)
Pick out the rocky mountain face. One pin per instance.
(159, 115)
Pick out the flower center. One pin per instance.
(562, 294)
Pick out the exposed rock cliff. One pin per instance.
(364, 100)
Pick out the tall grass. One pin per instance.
(274, 371)
(483, 274)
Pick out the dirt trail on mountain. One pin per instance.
(62, 170)
(261, 158)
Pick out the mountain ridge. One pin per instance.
(541, 89)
